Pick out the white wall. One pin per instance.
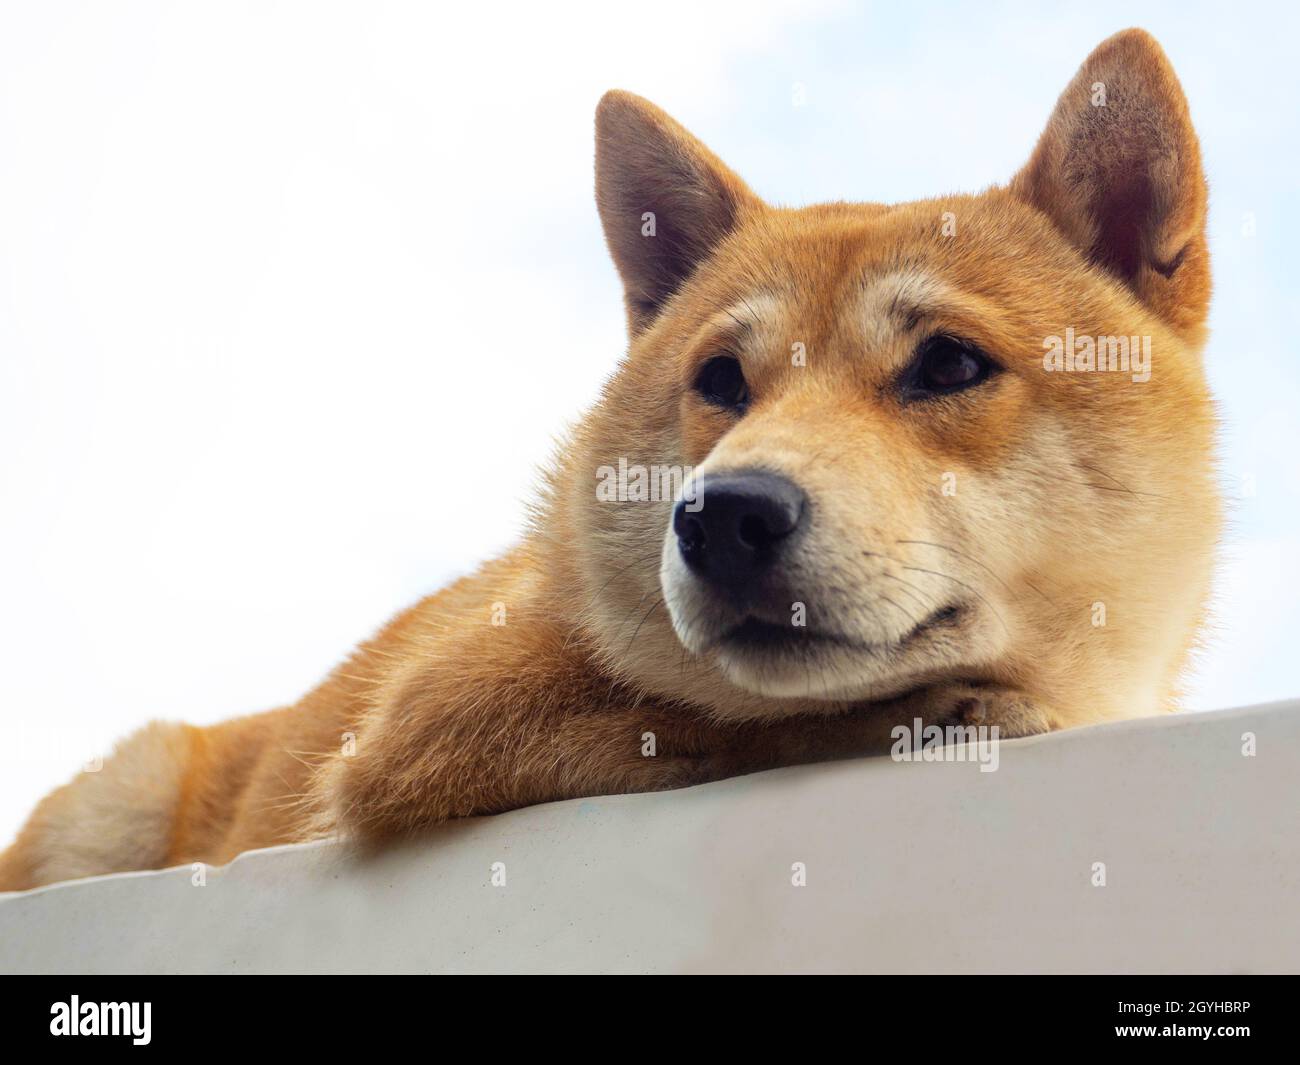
(910, 867)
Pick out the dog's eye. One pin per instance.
(722, 382)
(945, 364)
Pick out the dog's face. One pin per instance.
(883, 484)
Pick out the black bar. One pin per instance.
(303, 1014)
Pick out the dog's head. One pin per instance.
(839, 463)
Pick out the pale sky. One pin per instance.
(295, 296)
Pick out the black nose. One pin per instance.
(733, 531)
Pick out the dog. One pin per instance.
(950, 460)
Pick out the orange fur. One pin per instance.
(1072, 490)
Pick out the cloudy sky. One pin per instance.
(293, 296)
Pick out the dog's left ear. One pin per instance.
(665, 201)
(1118, 169)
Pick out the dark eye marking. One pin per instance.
(943, 365)
(721, 382)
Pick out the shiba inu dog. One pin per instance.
(916, 474)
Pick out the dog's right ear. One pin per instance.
(665, 201)
(1118, 169)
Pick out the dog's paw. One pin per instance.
(971, 706)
